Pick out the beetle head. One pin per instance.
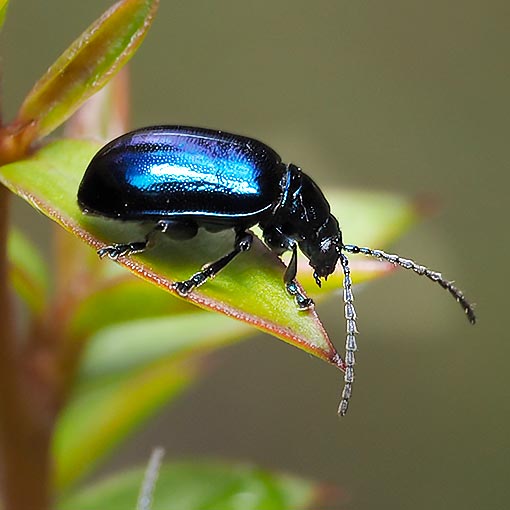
(323, 249)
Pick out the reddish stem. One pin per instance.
(24, 436)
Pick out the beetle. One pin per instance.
(186, 178)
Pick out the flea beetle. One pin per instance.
(186, 178)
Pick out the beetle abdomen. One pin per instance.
(174, 171)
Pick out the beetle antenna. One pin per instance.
(420, 270)
(350, 340)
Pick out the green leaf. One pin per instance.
(3, 11)
(87, 65)
(27, 271)
(200, 486)
(128, 372)
(105, 115)
(119, 348)
(250, 289)
(123, 299)
(100, 415)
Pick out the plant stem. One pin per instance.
(24, 435)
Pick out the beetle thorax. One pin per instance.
(303, 216)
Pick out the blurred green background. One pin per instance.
(400, 95)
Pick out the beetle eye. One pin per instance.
(325, 244)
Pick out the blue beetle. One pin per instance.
(186, 178)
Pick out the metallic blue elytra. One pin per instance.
(198, 171)
(186, 178)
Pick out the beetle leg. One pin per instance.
(115, 251)
(289, 278)
(242, 243)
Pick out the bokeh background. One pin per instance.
(399, 95)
